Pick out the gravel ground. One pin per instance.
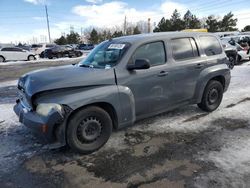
(182, 148)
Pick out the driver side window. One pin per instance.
(154, 52)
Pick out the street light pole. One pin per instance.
(47, 22)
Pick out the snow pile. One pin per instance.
(233, 157)
(8, 118)
(8, 83)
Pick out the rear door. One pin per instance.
(17, 54)
(184, 69)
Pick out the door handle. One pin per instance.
(199, 65)
(163, 73)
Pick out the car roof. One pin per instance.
(159, 36)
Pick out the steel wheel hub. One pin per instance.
(89, 129)
(213, 96)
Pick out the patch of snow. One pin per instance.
(8, 118)
(233, 157)
(8, 83)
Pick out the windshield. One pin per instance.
(105, 55)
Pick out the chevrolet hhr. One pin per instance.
(120, 82)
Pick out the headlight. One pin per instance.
(44, 109)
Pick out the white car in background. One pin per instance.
(243, 51)
(39, 48)
(15, 54)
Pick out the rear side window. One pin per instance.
(6, 49)
(211, 45)
(49, 45)
(17, 50)
(184, 48)
(154, 52)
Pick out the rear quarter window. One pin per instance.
(210, 45)
(184, 48)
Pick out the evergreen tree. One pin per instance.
(117, 34)
(191, 21)
(136, 30)
(163, 25)
(177, 24)
(94, 38)
(228, 23)
(61, 41)
(212, 24)
(246, 28)
(73, 38)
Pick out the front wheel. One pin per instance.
(89, 129)
(212, 96)
(2, 59)
(31, 58)
(231, 62)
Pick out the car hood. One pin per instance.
(65, 77)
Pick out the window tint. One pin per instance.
(36, 46)
(6, 49)
(12, 49)
(154, 52)
(17, 49)
(210, 45)
(184, 48)
(49, 45)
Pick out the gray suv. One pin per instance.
(121, 81)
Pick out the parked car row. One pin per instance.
(14, 53)
(27, 52)
(237, 47)
(61, 51)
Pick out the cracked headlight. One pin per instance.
(44, 109)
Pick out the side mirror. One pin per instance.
(139, 64)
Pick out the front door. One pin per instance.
(149, 86)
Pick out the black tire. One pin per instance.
(239, 59)
(2, 59)
(89, 129)
(59, 55)
(31, 58)
(79, 54)
(212, 96)
(231, 62)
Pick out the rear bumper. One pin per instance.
(227, 77)
(42, 127)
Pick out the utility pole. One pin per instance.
(125, 25)
(47, 22)
(149, 25)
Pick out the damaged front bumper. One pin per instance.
(43, 127)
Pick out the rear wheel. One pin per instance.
(59, 55)
(212, 96)
(2, 59)
(89, 129)
(231, 62)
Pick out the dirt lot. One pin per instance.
(182, 148)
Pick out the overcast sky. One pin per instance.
(22, 20)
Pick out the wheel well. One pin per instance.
(220, 79)
(30, 56)
(105, 106)
(2, 57)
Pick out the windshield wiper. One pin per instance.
(84, 65)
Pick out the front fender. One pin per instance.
(120, 98)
